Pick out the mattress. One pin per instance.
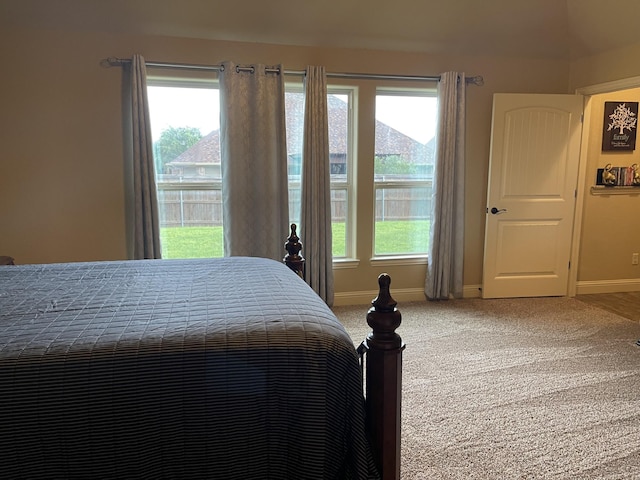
(227, 368)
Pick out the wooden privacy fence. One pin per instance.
(202, 208)
(403, 203)
(190, 208)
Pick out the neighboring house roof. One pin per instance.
(389, 141)
(206, 150)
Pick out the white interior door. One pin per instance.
(533, 171)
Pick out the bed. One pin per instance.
(229, 368)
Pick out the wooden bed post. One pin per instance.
(293, 259)
(384, 380)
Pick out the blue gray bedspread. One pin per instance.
(226, 368)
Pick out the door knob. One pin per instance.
(496, 211)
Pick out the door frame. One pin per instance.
(587, 92)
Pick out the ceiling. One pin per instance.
(561, 29)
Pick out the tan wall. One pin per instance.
(62, 195)
(608, 67)
(610, 231)
(610, 227)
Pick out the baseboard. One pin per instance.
(472, 291)
(365, 298)
(399, 295)
(475, 291)
(608, 286)
(585, 287)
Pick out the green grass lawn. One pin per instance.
(191, 242)
(393, 237)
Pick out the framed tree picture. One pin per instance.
(620, 125)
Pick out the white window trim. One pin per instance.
(409, 258)
(349, 258)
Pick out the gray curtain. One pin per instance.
(446, 245)
(255, 196)
(146, 229)
(315, 217)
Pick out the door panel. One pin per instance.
(533, 172)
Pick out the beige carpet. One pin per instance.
(545, 388)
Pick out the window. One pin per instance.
(339, 101)
(339, 108)
(186, 141)
(185, 131)
(403, 170)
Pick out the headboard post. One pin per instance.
(293, 259)
(384, 380)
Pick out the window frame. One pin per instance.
(348, 184)
(168, 80)
(408, 258)
(292, 86)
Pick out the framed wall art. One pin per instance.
(620, 125)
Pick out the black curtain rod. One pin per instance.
(118, 62)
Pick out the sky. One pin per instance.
(183, 107)
(418, 118)
(199, 108)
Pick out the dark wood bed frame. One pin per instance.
(382, 349)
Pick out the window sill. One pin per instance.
(387, 261)
(345, 263)
(392, 261)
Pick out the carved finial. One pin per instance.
(293, 246)
(384, 302)
(383, 317)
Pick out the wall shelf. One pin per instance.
(615, 190)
